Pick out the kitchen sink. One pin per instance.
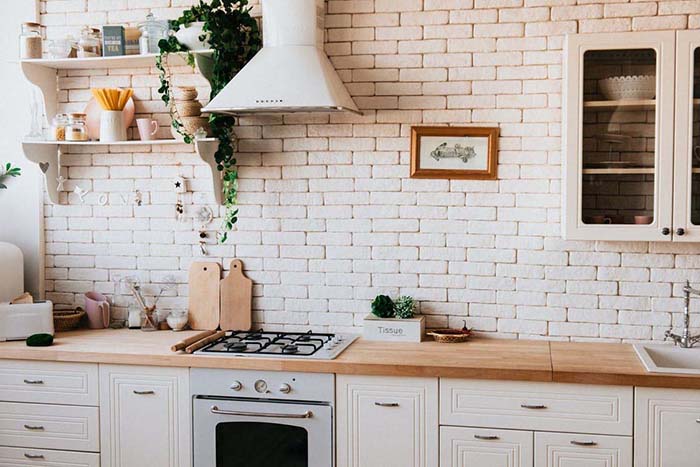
(669, 359)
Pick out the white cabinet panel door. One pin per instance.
(48, 382)
(577, 450)
(16, 457)
(145, 416)
(483, 447)
(667, 428)
(387, 421)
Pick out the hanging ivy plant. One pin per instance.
(234, 37)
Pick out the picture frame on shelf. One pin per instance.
(463, 153)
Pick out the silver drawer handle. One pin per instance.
(386, 404)
(144, 393)
(34, 427)
(33, 456)
(33, 381)
(533, 407)
(584, 443)
(216, 410)
(486, 437)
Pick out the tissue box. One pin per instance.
(17, 322)
(393, 329)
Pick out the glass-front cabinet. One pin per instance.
(618, 148)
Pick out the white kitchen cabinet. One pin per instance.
(579, 450)
(632, 160)
(16, 457)
(387, 421)
(145, 416)
(667, 428)
(481, 447)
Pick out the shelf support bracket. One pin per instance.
(48, 158)
(206, 149)
(45, 79)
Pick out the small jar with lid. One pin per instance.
(76, 128)
(30, 41)
(58, 127)
(90, 43)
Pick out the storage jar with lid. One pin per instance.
(58, 127)
(90, 43)
(152, 31)
(76, 129)
(30, 41)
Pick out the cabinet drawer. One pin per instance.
(575, 450)
(45, 457)
(536, 406)
(49, 426)
(48, 382)
(484, 447)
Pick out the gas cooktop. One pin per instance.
(279, 345)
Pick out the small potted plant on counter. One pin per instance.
(394, 320)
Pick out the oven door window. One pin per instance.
(260, 444)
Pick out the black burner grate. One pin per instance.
(269, 343)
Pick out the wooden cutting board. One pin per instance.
(236, 299)
(204, 295)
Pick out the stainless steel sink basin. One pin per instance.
(669, 359)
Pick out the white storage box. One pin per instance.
(394, 329)
(17, 322)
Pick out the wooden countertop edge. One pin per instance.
(668, 381)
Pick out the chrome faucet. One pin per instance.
(685, 340)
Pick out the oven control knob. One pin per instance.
(236, 386)
(285, 388)
(261, 386)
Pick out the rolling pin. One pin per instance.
(191, 340)
(199, 344)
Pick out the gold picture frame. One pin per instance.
(440, 152)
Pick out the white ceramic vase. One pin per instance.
(188, 35)
(112, 128)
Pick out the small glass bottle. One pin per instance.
(76, 129)
(30, 41)
(58, 127)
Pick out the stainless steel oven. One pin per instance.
(262, 419)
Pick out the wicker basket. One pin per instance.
(67, 320)
(451, 336)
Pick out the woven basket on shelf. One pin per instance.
(451, 336)
(67, 320)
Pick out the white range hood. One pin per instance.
(291, 73)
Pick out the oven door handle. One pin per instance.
(214, 409)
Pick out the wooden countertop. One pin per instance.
(588, 363)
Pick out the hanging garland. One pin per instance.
(234, 37)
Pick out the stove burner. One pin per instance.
(290, 348)
(236, 346)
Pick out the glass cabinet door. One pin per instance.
(686, 219)
(619, 152)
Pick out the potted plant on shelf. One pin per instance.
(226, 27)
(7, 172)
(394, 320)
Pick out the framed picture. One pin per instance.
(469, 153)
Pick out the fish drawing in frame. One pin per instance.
(464, 153)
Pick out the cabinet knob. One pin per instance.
(665, 231)
(680, 231)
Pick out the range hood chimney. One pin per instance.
(291, 73)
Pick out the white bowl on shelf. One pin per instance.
(621, 88)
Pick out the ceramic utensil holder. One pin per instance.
(112, 127)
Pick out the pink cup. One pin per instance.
(147, 128)
(98, 312)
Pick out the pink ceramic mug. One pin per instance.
(97, 308)
(147, 128)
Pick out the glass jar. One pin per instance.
(149, 320)
(76, 128)
(90, 43)
(58, 127)
(30, 41)
(152, 31)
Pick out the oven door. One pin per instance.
(250, 433)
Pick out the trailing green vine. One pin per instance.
(234, 37)
(6, 172)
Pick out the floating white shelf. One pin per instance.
(47, 155)
(122, 61)
(626, 105)
(620, 171)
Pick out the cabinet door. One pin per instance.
(686, 209)
(482, 447)
(618, 150)
(667, 428)
(578, 450)
(145, 416)
(387, 421)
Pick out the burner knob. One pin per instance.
(285, 388)
(236, 386)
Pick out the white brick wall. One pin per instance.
(329, 217)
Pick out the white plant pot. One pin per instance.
(188, 35)
(112, 128)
